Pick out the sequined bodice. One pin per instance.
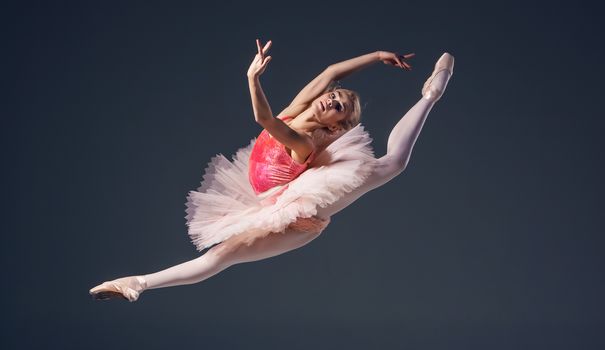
(270, 165)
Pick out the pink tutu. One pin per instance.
(225, 204)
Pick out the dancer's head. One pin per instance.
(337, 109)
(334, 112)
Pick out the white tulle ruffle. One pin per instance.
(225, 204)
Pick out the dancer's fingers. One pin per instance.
(406, 65)
(409, 55)
(267, 46)
(260, 51)
(267, 59)
(399, 61)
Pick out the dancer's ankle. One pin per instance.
(141, 283)
(437, 86)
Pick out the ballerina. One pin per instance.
(278, 194)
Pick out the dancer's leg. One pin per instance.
(242, 248)
(399, 147)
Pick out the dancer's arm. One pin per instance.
(343, 69)
(299, 143)
(260, 106)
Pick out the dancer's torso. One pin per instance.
(270, 164)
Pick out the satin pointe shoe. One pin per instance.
(128, 288)
(433, 92)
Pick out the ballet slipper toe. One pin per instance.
(111, 290)
(107, 294)
(118, 289)
(429, 90)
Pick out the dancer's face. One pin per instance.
(332, 107)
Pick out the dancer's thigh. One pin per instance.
(253, 246)
(387, 167)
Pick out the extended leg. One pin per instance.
(245, 247)
(242, 248)
(402, 138)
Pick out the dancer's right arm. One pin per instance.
(301, 144)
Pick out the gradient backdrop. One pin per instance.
(491, 239)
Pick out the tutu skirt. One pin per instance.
(225, 203)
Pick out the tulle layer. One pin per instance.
(225, 203)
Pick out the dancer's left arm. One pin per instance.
(343, 69)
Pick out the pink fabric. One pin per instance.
(270, 165)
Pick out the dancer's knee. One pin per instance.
(222, 253)
(392, 165)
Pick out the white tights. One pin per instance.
(233, 251)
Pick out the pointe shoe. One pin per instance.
(444, 63)
(128, 288)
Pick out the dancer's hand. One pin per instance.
(395, 59)
(260, 60)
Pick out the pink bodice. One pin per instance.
(270, 165)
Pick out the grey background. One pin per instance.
(491, 238)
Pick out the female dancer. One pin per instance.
(279, 193)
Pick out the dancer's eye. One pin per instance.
(338, 105)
